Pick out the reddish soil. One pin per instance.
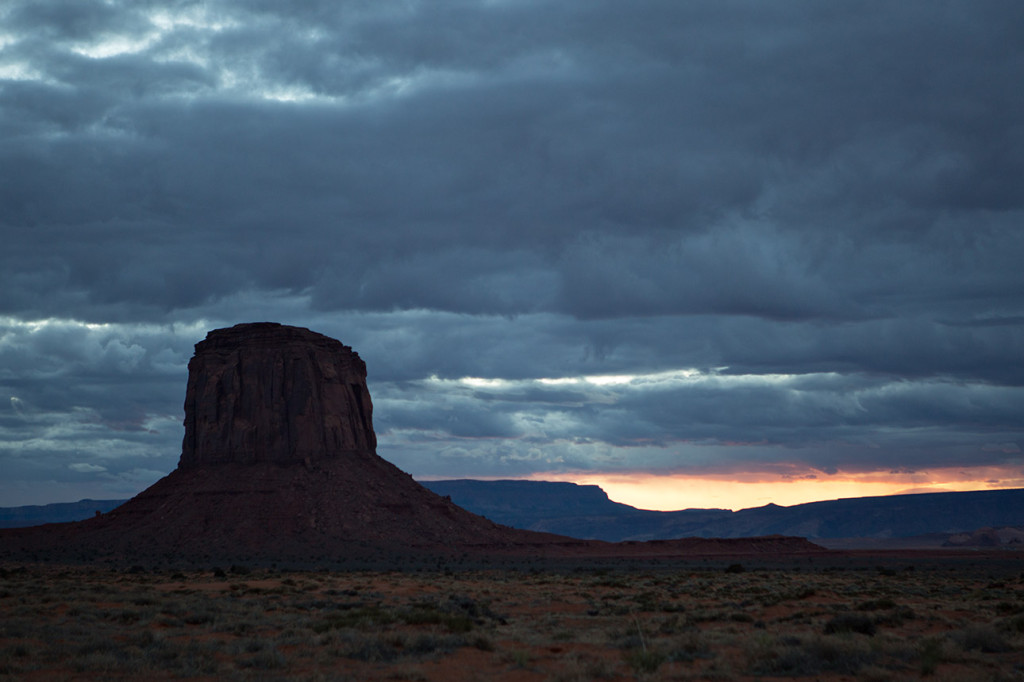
(947, 621)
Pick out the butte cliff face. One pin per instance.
(265, 392)
(278, 465)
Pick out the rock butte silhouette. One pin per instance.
(279, 464)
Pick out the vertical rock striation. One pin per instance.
(266, 392)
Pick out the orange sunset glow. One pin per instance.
(745, 490)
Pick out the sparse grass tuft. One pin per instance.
(931, 652)
(982, 637)
(697, 623)
(644, 661)
(813, 656)
(851, 622)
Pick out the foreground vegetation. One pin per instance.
(714, 623)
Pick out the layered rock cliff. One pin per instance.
(278, 463)
(265, 392)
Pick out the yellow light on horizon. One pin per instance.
(737, 491)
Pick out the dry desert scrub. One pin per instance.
(674, 623)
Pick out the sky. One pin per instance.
(704, 254)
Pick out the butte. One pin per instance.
(279, 465)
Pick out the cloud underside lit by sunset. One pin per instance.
(694, 252)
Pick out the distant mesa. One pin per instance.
(988, 537)
(909, 521)
(279, 464)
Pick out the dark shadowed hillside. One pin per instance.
(586, 512)
(38, 514)
(581, 511)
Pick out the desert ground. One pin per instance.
(853, 617)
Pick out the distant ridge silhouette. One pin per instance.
(585, 511)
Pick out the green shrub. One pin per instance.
(1014, 624)
(424, 615)
(876, 604)
(817, 655)
(264, 657)
(851, 622)
(644, 660)
(370, 648)
(983, 638)
(931, 652)
(363, 617)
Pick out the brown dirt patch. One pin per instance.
(947, 621)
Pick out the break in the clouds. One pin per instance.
(565, 236)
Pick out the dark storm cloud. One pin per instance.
(69, 20)
(524, 190)
(930, 422)
(632, 165)
(89, 411)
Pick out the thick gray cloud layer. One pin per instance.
(798, 225)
